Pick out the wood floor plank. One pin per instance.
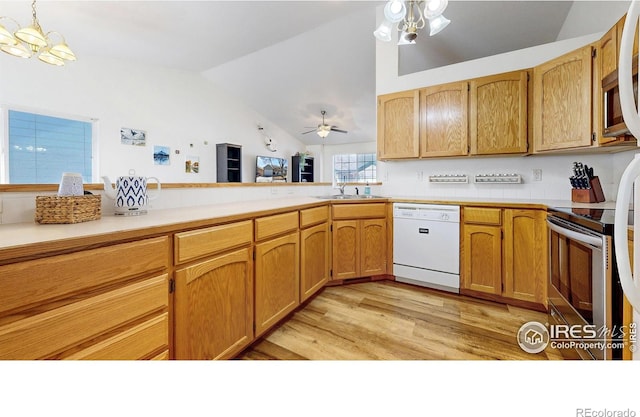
(395, 321)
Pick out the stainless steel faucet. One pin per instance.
(341, 187)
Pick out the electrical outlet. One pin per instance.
(537, 174)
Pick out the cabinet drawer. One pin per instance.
(198, 243)
(47, 334)
(312, 216)
(34, 282)
(481, 215)
(359, 211)
(137, 342)
(278, 224)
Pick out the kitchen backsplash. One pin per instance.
(411, 178)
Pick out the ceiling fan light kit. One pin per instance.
(31, 40)
(410, 17)
(324, 129)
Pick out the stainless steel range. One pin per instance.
(584, 285)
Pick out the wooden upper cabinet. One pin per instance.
(619, 27)
(609, 52)
(562, 111)
(444, 120)
(498, 114)
(398, 116)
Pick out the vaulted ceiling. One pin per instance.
(288, 59)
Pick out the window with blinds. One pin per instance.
(42, 147)
(360, 167)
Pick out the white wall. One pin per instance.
(178, 109)
(410, 178)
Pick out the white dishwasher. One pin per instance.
(426, 245)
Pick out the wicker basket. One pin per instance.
(67, 209)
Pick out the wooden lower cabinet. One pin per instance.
(54, 308)
(213, 307)
(526, 265)
(314, 259)
(482, 258)
(373, 247)
(346, 249)
(277, 280)
(359, 248)
(509, 259)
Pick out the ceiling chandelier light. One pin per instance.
(410, 17)
(31, 40)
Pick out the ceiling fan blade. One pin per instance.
(304, 133)
(335, 129)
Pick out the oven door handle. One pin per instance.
(580, 237)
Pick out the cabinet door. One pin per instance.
(619, 27)
(277, 280)
(213, 307)
(314, 259)
(373, 247)
(398, 125)
(498, 114)
(444, 120)
(346, 249)
(562, 101)
(525, 255)
(482, 259)
(53, 333)
(609, 52)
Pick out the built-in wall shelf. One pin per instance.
(449, 178)
(498, 179)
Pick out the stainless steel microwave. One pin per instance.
(614, 125)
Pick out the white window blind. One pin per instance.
(354, 167)
(42, 147)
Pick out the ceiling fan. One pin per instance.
(323, 129)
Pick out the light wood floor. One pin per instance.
(391, 320)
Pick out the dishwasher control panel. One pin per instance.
(436, 212)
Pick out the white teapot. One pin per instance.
(130, 193)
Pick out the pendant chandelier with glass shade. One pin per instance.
(410, 17)
(26, 42)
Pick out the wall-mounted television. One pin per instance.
(271, 169)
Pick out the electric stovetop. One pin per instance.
(599, 220)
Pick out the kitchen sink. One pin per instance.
(349, 197)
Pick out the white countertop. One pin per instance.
(21, 234)
(24, 234)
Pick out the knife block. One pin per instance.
(590, 195)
